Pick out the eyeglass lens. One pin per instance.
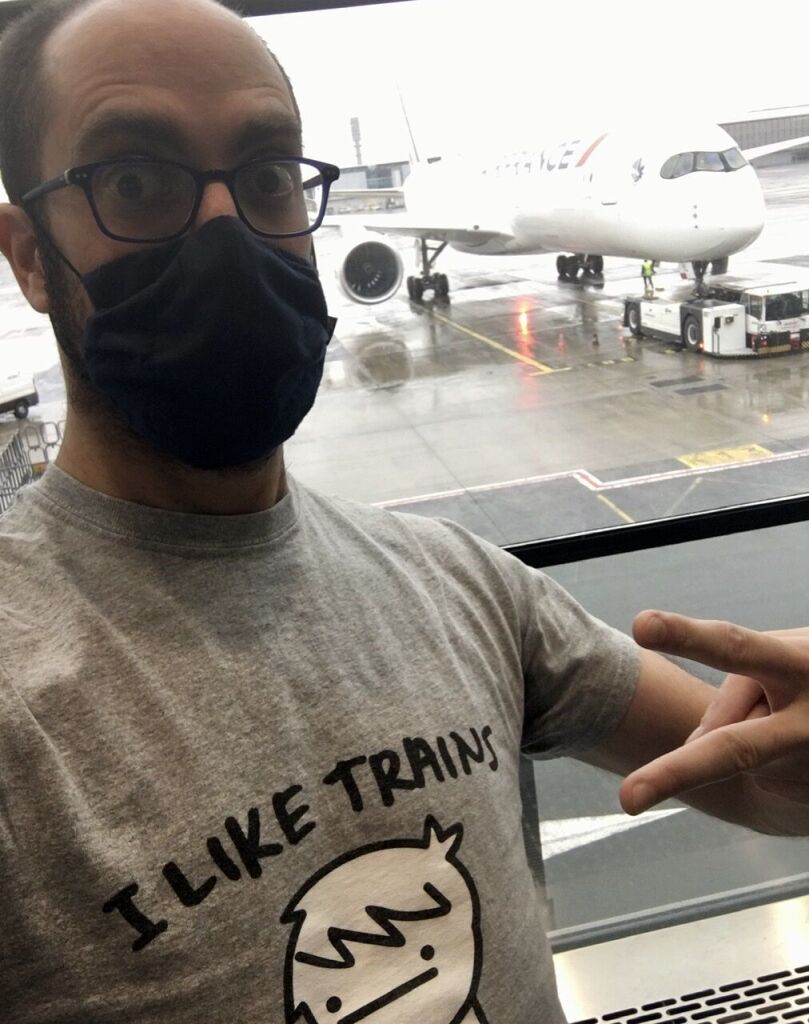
(149, 200)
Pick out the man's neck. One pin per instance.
(123, 467)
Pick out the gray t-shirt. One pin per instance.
(263, 768)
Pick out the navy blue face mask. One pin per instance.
(211, 347)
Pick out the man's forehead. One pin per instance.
(187, 54)
(179, 28)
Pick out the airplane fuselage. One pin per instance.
(610, 192)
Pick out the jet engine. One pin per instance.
(370, 271)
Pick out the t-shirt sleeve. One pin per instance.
(579, 674)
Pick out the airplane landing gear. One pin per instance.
(568, 267)
(417, 286)
(700, 267)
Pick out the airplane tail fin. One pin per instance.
(414, 150)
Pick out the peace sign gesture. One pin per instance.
(757, 725)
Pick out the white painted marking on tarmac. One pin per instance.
(592, 482)
(566, 834)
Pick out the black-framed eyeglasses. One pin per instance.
(140, 199)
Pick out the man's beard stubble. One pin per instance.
(64, 298)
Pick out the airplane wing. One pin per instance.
(464, 236)
(775, 147)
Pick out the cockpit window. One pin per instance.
(685, 163)
(734, 159)
(678, 165)
(710, 162)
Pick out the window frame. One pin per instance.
(11, 9)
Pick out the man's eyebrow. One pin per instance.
(273, 130)
(114, 125)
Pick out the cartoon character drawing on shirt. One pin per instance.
(387, 934)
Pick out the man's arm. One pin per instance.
(751, 766)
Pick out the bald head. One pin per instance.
(199, 45)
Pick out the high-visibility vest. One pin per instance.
(648, 268)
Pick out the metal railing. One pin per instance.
(26, 456)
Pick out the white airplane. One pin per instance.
(675, 194)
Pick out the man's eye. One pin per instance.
(273, 181)
(267, 181)
(129, 186)
(136, 185)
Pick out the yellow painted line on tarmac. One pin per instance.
(724, 456)
(541, 367)
(618, 511)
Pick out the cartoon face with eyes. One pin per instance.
(387, 934)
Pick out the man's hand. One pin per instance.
(758, 723)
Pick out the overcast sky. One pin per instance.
(484, 76)
(489, 74)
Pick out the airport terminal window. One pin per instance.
(496, 382)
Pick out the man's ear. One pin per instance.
(20, 246)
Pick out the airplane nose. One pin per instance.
(743, 237)
(733, 217)
(748, 227)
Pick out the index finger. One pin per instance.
(774, 662)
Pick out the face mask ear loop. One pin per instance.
(52, 244)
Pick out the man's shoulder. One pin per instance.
(29, 561)
(19, 537)
(436, 538)
(387, 519)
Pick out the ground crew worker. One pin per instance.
(647, 272)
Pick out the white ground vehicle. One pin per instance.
(17, 393)
(776, 305)
(700, 325)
